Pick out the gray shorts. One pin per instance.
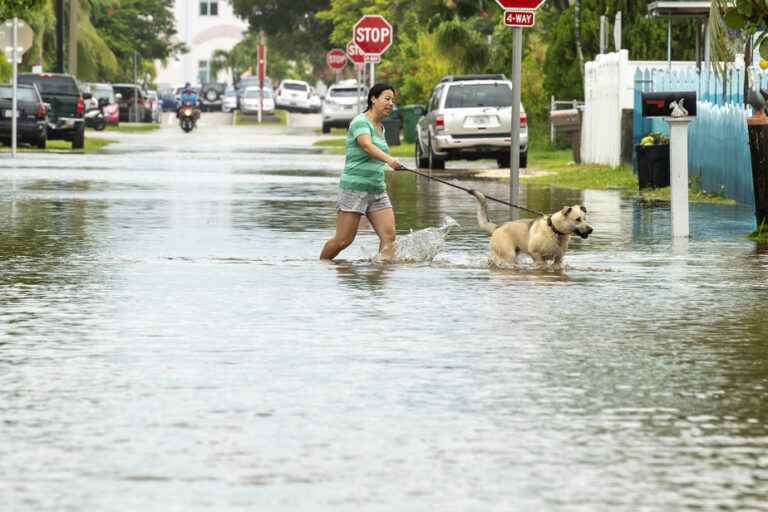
(362, 202)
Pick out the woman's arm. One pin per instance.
(369, 147)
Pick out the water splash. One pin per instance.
(419, 246)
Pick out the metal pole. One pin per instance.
(373, 74)
(74, 9)
(514, 148)
(669, 44)
(552, 107)
(59, 36)
(14, 105)
(136, 91)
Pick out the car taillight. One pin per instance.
(440, 123)
(523, 120)
(80, 105)
(141, 102)
(40, 112)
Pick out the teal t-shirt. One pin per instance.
(361, 172)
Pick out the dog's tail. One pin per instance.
(482, 213)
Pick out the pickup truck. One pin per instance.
(66, 105)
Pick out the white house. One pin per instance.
(204, 26)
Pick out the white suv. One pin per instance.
(294, 95)
(468, 118)
(340, 104)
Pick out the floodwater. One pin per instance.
(169, 342)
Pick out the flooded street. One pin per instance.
(169, 341)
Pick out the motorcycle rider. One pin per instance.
(188, 95)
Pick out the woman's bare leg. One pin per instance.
(346, 230)
(383, 222)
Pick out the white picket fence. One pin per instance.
(609, 84)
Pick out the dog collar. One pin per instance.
(552, 226)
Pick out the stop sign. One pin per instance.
(354, 53)
(372, 34)
(520, 4)
(336, 59)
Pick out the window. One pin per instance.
(209, 8)
(203, 72)
(479, 95)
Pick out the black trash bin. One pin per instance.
(652, 165)
(392, 125)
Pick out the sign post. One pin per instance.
(262, 67)
(373, 35)
(16, 37)
(356, 56)
(517, 14)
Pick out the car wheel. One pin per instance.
(524, 159)
(503, 161)
(326, 128)
(435, 161)
(42, 142)
(212, 95)
(78, 139)
(421, 160)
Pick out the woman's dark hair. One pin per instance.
(375, 92)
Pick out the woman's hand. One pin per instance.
(395, 164)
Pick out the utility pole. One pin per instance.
(59, 36)
(74, 11)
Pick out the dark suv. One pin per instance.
(212, 96)
(32, 119)
(133, 103)
(67, 105)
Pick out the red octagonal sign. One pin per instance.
(372, 34)
(520, 4)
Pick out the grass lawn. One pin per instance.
(92, 145)
(240, 119)
(133, 127)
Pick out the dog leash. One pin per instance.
(471, 192)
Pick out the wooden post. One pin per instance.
(757, 126)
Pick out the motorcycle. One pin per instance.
(187, 118)
(94, 117)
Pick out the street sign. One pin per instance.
(373, 34)
(354, 53)
(373, 58)
(336, 59)
(519, 18)
(531, 5)
(25, 36)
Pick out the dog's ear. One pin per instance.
(583, 209)
(566, 211)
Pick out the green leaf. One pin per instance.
(734, 20)
(764, 49)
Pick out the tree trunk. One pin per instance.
(577, 21)
(758, 148)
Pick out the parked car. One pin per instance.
(229, 102)
(293, 95)
(252, 98)
(130, 110)
(251, 81)
(340, 104)
(315, 101)
(31, 117)
(168, 100)
(103, 94)
(212, 96)
(67, 105)
(469, 117)
(154, 105)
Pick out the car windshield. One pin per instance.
(345, 93)
(254, 93)
(50, 84)
(479, 95)
(295, 86)
(22, 93)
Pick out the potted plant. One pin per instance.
(653, 161)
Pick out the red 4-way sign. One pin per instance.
(520, 4)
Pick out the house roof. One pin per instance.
(686, 8)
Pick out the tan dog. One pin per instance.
(542, 238)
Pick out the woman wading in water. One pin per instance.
(362, 189)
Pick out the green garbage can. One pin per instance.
(392, 126)
(411, 115)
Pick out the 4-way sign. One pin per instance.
(519, 18)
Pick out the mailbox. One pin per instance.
(669, 104)
(566, 121)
